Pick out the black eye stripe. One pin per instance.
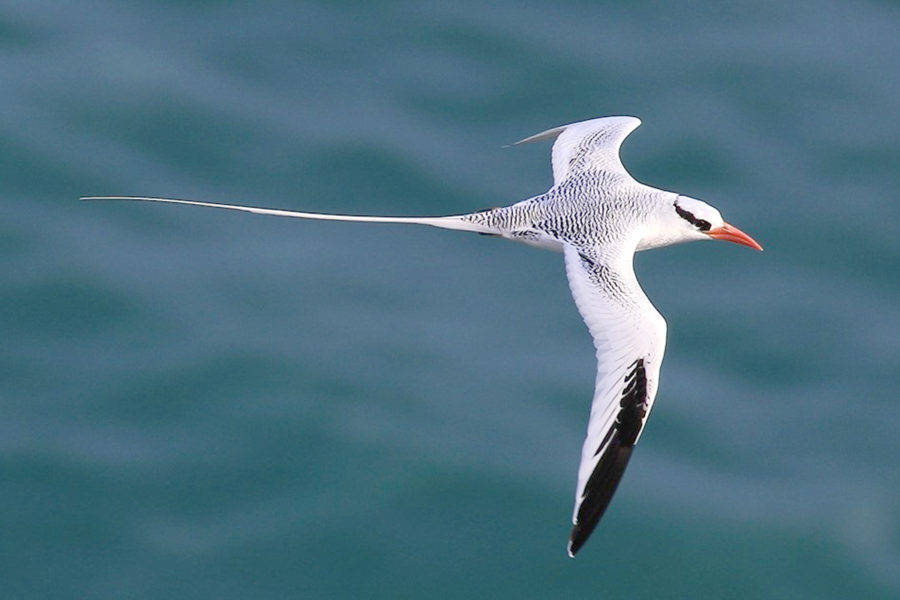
(690, 218)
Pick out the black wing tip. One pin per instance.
(576, 541)
(600, 491)
(617, 447)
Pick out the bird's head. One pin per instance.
(688, 219)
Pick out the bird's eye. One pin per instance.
(700, 224)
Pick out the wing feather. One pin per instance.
(588, 146)
(630, 337)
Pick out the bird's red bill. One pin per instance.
(730, 233)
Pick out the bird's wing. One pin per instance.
(588, 146)
(630, 337)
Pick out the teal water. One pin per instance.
(205, 404)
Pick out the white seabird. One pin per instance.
(598, 216)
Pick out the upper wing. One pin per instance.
(587, 146)
(630, 337)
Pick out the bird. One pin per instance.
(598, 216)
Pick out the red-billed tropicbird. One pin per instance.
(598, 216)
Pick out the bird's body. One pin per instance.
(598, 216)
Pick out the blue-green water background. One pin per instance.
(202, 404)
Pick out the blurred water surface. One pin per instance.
(206, 404)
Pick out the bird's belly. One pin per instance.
(538, 239)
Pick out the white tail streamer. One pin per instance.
(448, 222)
